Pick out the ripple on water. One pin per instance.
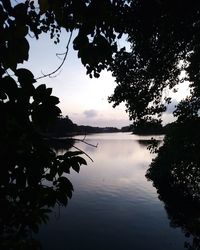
(113, 206)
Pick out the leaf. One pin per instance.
(75, 164)
(41, 88)
(9, 86)
(25, 77)
(10, 55)
(20, 12)
(52, 100)
(81, 160)
(43, 94)
(72, 153)
(21, 31)
(43, 5)
(49, 91)
(65, 184)
(39, 93)
(53, 170)
(62, 198)
(44, 217)
(65, 166)
(22, 50)
(64, 190)
(3, 96)
(60, 171)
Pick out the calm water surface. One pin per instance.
(113, 205)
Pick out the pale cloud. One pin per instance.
(90, 113)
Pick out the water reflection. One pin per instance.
(113, 206)
(185, 215)
(175, 174)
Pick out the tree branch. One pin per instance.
(83, 140)
(60, 66)
(83, 152)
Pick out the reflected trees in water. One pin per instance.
(177, 163)
(175, 173)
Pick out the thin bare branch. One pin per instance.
(60, 66)
(83, 152)
(60, 54)
(83, 141)
(52, 76)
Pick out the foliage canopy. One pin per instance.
(164, 39)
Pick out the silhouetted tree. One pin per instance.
(164, 41)
(63, 126)
(33, 177)
(151, 127)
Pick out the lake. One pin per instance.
(113, 205)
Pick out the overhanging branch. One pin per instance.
(63, 60)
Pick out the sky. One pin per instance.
(83, 99)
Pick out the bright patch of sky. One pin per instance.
(182, 90)
(83, 99)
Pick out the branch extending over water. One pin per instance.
(83, 152)
(87, 143)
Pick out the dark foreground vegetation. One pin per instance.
(164, 42)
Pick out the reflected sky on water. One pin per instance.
(113, 205)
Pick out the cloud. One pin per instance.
(90, 113)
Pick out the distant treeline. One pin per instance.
(153, 127)
(63, 126)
